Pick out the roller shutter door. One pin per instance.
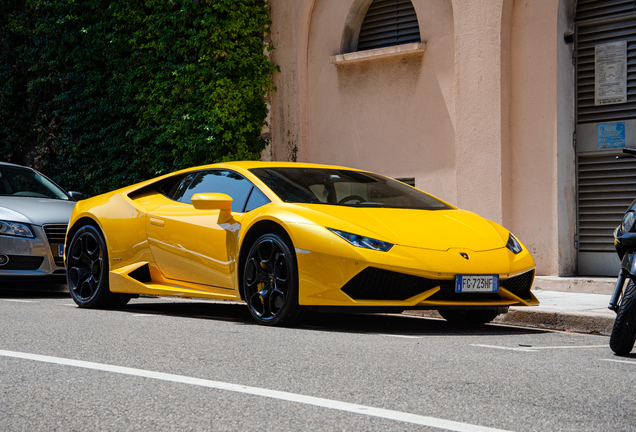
(605, 186)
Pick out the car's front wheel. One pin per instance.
(270, 281)
(468, 316)
(87, 269)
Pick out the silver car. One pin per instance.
(34, 215)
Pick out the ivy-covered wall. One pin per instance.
(99, 94)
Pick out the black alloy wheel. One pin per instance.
(270, 282)
(87, 270)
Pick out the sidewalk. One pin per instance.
(566, 311)
(576, 304)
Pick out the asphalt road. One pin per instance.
(178, 364)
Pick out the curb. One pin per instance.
(570, 321)
(590, 285)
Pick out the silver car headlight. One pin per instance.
(15, 229)
(513, 244)
(628, 221)
(363, 242)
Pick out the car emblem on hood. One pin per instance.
(464, 255)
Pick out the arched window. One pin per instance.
(388, 23)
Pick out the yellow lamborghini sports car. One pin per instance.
(288, 237)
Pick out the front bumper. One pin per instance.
(35, 259)
(412, 278)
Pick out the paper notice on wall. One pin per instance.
(610, 73)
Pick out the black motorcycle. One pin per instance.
(623, 302)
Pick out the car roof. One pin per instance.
(260, 164)
(14, 165)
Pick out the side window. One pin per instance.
(171, 186)
(257, 199)
(22, 182)
(217, 181)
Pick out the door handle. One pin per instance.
(157, 222)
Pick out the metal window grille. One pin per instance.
(389, 23)
(606, 187)
(586, 9)
(588, 35)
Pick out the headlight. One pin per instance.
(628, 221)
(363, 242)
(15, 229)
(513, 245)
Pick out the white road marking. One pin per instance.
(532, 349)
(619, 361)
(397, 336)
(569, 347)
(503, 348)
(20, 301)
(255, 391)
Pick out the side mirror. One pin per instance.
(214, 201)
(77, 196)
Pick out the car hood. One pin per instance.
(37, 211)
(428, 229)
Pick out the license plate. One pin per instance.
(60, 250)
(476, 283)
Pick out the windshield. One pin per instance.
(345, 188)
(22, 182)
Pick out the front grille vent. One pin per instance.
(377, 284)
(447, 292)
(22, 262)
(56, 234)
(519, 285)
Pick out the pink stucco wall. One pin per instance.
(478, 119)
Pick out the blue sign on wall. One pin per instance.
(611, 135)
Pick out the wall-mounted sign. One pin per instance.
(610, 135)
(610, 63)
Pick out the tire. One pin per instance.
(624, 330)
(118, 301)
(87, 270)
(468, 316)
(270, 282)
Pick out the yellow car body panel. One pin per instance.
(194, 252)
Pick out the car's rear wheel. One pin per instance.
(270, 281)
(468, 316)
(87, 270)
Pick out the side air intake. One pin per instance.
(142, 274)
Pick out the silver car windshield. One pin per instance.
(344, 188)
(22, 182)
